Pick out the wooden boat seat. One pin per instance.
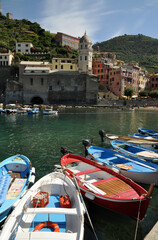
(116, 186)
(88, 171)
(46, 235)
(70, 211)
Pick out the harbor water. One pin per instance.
(40, 138)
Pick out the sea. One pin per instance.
(40, 138)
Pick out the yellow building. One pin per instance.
(64, 64)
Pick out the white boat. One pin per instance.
(41, 215)
(48, 111)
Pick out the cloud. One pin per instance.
(72, 17)
(119, 32)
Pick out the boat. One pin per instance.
(135, 150)
(23, 110)
(51, 209)
(105, 187)
(150, 143)
(16, 176)
(33, 111)
(144, 136)
(48, 111)
(134, 168)
(148, 132)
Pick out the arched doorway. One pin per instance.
(36, 100)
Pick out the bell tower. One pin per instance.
(85, 52)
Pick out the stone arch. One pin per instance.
(36, 100)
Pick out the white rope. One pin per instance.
(136, 230)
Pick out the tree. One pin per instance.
(143, 93)
(153, 93)
(129, 91)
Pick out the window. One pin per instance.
(62, 88)
(61, 66)
(50, 88)
(32, 71)
(56, 60)
(19, 50)
(71, 67)
(42, 81)
(56, 66)
(76, 88)
(19, 45)
(27, 50)
(26, 45)
(80, 58)
(85, 58)
(31, 81)
(43, 71)
(63, 61)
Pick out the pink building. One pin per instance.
(67, 40)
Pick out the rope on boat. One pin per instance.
(77, 187)
(136, 230)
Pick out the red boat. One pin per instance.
(107, 188)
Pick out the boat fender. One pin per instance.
(64, 150)
(50, 224)
(32, 180)
(102, 135)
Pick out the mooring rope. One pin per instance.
(136, 230)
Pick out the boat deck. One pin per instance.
(116, 187)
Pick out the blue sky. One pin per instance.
(101, 19)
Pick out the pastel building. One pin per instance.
(66, 40)
(23, 47)
(64, 64)
(6, 59)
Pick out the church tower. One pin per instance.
(85, 52)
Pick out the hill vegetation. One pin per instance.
(133, 48)
(129, 48)
(12, 31)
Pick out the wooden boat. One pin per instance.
(135, 150)
(48, 111)
(150, 143)
(16, 173)
(148, 132)
(134, 168)
(105, 187)
(51, 209)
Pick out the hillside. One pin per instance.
(12, 31)
(133, 48)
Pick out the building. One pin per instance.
(66, 40)
(64, 64)
(9, 15)
(6, 59)
(153, 83)
(23, 47)
(85, 52)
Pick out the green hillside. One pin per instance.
(133, 48)
(12, 31)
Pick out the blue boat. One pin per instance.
(16, 175)
(143, 136)
(134, 168)
(135, 150)
(148, 132)
(33, 111)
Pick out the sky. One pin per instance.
(101, 19)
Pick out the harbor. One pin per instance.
(40, 138)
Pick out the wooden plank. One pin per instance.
(113, 187)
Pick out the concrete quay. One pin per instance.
(153, 234)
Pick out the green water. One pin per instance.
(40, 138)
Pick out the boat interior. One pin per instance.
(101, 182)
(66, 218)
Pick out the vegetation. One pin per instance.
(133, 48)
(13, 30)
(129, 91)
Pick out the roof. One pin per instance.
(85, 38)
